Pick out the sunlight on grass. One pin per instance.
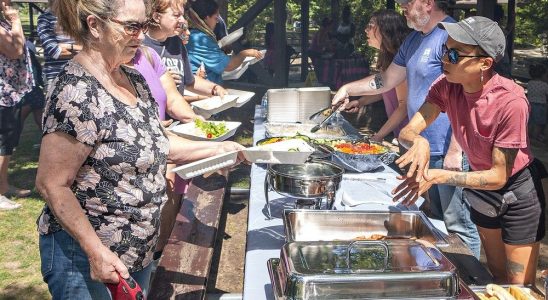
(20, 276)
(19, 255)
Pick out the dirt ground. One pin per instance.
(227, 271)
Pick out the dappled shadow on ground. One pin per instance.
(17, 292)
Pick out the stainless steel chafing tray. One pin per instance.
(395, 269)
(310, 225)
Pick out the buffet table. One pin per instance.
(265, 237)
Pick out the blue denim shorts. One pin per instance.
(65, 268)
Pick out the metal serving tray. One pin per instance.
(396, 269)
(311, 225)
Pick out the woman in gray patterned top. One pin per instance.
(103, 156)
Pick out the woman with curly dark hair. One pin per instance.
(385, 32)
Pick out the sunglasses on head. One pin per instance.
(454, 56)
(131, 27)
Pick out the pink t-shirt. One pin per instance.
(391, 103)
(152, 70)
(495, 116)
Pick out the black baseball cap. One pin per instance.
(480, 31)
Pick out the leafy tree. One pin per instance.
(531, 21)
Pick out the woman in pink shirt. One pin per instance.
(385, 32)
(488, 115)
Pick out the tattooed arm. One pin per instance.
(492, 179)
(371, 85)
(418, 155)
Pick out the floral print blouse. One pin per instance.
(15, 76)
(121, 186)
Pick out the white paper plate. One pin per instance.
(191, 132)
(278, 153)
(213, 105)
(231, 37)
(243, 96)
(207, 165)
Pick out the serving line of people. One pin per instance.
(419, 62)
(104, 153)
(488, 115)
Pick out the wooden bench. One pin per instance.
(186, 261)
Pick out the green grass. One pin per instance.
(20, 276)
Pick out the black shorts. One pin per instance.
(522, 222)
(10, 129)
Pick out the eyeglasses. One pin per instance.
(132, 28)
(454, 56)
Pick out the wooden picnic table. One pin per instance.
(186, 260)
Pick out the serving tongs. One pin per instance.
(334, 110)
(324, 111)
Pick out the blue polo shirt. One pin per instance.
(421, 55)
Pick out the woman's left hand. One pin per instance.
(253, 53)
(220, 91)
(175, 75)
(228, 146)
(10, 13)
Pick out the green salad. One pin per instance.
(210, 129)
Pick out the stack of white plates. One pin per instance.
(312, 100)
(283, 105)
(296, 105)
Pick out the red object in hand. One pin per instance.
(126, 289)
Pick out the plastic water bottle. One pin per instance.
(264, 105)
(264, 101)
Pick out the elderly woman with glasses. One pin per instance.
(488, 115)
(203, 48)
(103, 156)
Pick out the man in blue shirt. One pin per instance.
(419, 60)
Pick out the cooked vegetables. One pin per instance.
(354, 147)
(211, 130)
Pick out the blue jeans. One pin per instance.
(447, 204)
(65, 268)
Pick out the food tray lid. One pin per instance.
(293, 151)
(191, 132)
(213, 105)
(207, 165)
(320, 225)
(382, 269)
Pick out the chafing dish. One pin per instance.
(309, 225)
(395, 269)
(313, 179)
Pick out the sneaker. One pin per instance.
(7, 204)
(17, 192)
